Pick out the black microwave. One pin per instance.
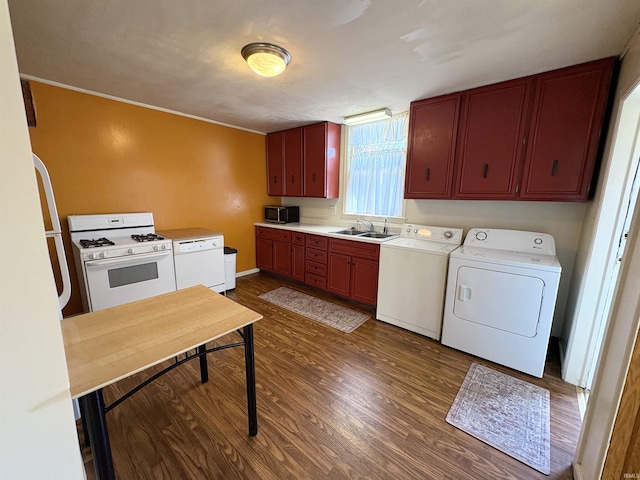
(281, 214)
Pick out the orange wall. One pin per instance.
(106, 156)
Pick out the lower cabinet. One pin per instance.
(347, 268)
(352, 270)
(273, 250)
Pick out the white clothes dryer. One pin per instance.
(412, 277)
(502, 287)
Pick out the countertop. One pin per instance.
(325, 230)
(185, 233)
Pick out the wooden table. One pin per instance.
(109, 345)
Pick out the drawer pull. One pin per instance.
(427, 174)
(554, 169)
(486, 170)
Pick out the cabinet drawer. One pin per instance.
(316, 255)
(273, 234)
(297, 238)
(316, 268)
(315, 241)
(316, 280)
(355, 248)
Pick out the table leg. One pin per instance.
(93, 409)
(204, 368)
(250, 370)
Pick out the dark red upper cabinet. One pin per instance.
(284, 163)
(433, 125)
(564, 136)
(304, 161)
(275, 163)
(490, 143)
(321, 160)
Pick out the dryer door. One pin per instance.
(501, 300)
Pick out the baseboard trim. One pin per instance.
(247, 272)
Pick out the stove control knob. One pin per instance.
(103, 254)
(415, 230)
(131, 250)
(156, 247)
(90, 256)
(408, 229)
(448, 234)
(164, 247)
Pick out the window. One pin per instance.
(376, 156)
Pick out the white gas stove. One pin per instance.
(119, 259)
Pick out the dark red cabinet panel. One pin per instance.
(568, 113)
(339, 274)
(364, 280)
(490, 142)
(433, 125)
(284, 163)
(304, 161)
(533, 138)
(264, 253)
(298, 262)
(293, 162)
(321, 160)
(273, 250)
(275, 163)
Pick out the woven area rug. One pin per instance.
(506, 413)
(336, 316)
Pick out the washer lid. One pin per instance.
(507, 257)
(420, 245)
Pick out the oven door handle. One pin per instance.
(113, 261)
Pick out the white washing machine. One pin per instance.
(501, 294)
(412, 277)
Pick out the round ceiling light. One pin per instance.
(266, 59)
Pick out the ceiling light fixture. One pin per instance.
(383, 114)
(266, 59)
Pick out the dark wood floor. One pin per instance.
(370, 404)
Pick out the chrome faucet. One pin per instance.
(385, 229)
(367, 224)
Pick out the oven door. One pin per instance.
(115, 281)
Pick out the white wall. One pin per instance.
(38, 439)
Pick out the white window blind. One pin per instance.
(376, 161)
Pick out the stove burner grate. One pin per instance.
(147, 237)
(100, 242)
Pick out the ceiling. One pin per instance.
(349, 56)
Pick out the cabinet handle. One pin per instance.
(313, 177)
(554, 170)
(275, 179)
(486, 170)
(292, 179)
(427, 174)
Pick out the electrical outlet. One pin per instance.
(332, 209)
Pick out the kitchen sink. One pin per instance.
(357, 233)
(377, 235)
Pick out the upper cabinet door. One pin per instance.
(563, 141)
(321, 160)
(293, 162)
(433, 125)
(490, 142)
(275, 163)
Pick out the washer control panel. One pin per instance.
(513, 240)
(435, 234)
